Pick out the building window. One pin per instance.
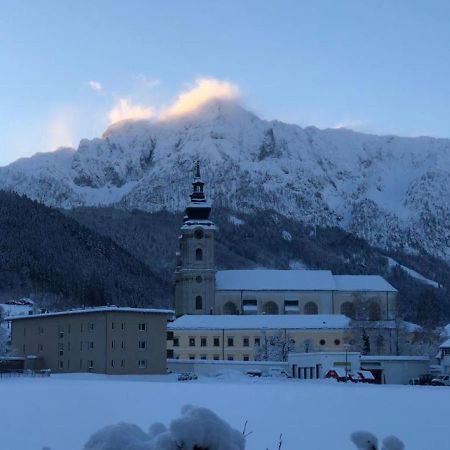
(246, 358)
(230, 308)
(250, 306)
(113, 363)
(91, 326)
(191, 342)
(230, 358)
(122, 326)
(60, 332)
(198, 279)
(270, 308)
(142, 345)
(61, 349)
(374, 311)
(203, 342)
(230, 342)
(142, 326)
(122, 363)
(257, 342)
(291, 307)
(68, 346)
(23, 348)
(322, 342)
(246, 342)
(311, 308)
(122, 344)
(176, 342)
(169, 353)
(81, 346)
(113, 344)
(169, 335)
(61, 364)
(142, 364)
(198, 254)
(112, 325)
(191, 357)
(198, 302)
(337, 342)
(348, 309)
(216, 342)
(91, 364)
(203, 357)
(40, 348)
(40, 330)
(91, 344)
(216, 357)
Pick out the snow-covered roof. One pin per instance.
(96, 310)
(250, 322)
(275, 280)
(445, 344)
(298, 280)
(375, 358)
(363, 283)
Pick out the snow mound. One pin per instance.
(197, 428)
(364, 440)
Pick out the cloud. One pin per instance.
(147, 82)
(204, 89)
(125, 109)
(95, 85)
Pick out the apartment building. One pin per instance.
(108, 340)
(243, 338)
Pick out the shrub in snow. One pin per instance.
(367, 441)
(196, 429)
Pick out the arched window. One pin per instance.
(198, 254)
(348, 309)
(374, 311)
(198, 302)
(230, 308)
(270, 308)
(311, 308)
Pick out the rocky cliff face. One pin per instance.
(392, 191)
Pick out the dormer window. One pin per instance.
(199, 254)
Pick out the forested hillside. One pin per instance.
(47, 254)
(267, 239)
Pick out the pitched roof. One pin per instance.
(250, 322)
(275, 280)
(362, 283)
(445, 344)
(100, 309)
(298, 280)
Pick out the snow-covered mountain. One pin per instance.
(393, 191)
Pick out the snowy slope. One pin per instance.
(393, 191)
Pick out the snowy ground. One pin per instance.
(61, 412)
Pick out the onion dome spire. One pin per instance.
(198, 207)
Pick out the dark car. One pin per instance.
(422, 380)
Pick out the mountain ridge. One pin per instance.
(392, 191)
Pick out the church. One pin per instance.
(200, 289)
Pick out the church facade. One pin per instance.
(201, 289)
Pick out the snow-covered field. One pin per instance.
(61, 412)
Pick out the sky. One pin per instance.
(68, 69)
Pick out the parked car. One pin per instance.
(422, 380)
(277, 373)
(253, 373)
(186, 376)
(441, 380)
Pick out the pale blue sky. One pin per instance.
(376, 66)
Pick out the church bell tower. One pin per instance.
(195, 273)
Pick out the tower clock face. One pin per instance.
(198, 234)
